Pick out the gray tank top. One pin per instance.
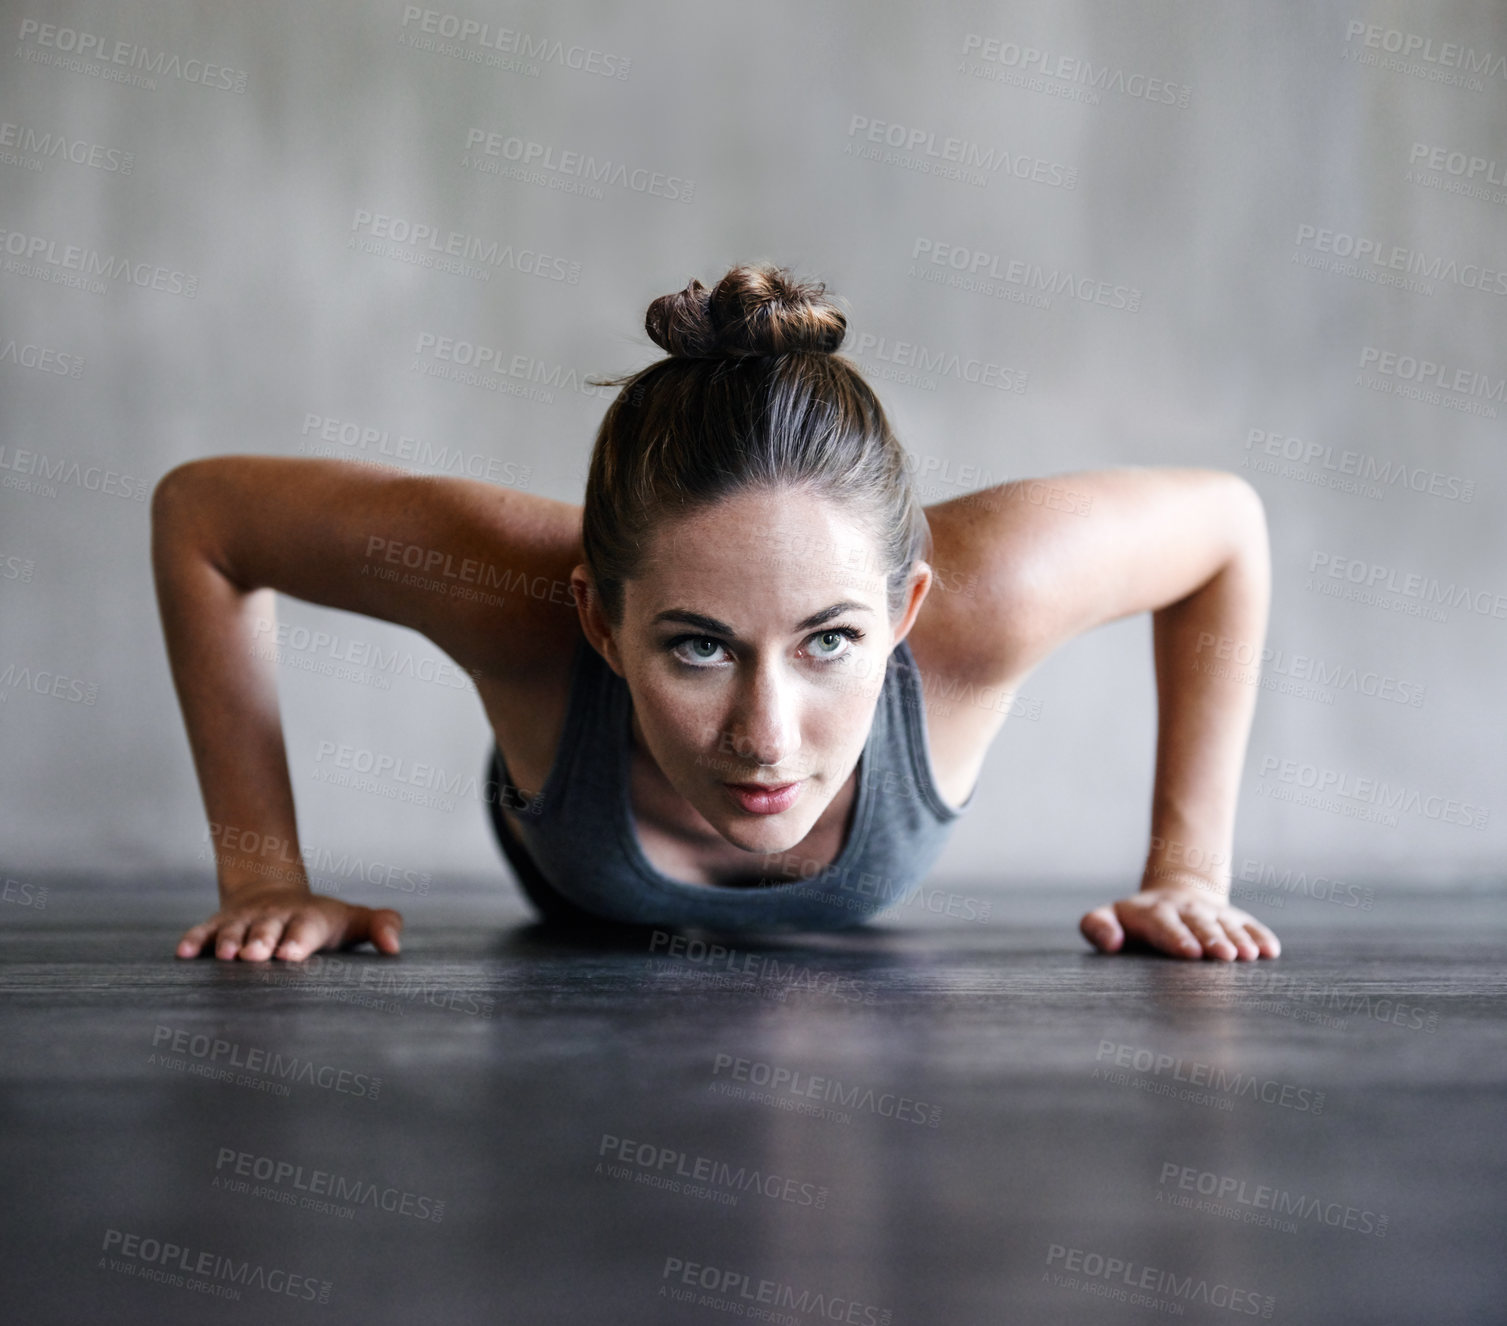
(580, 838)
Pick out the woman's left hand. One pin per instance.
(1182, 920)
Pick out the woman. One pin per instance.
(753, 693)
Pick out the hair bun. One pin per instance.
(753, 310)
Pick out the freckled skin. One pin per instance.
(1017, 574)
(772, 702)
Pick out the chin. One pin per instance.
(765, 834)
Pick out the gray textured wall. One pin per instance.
(229, 166)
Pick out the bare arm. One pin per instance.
(1204, 711)
(229, 531)
(1190, 547)
(228, 694)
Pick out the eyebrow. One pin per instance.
(714, 627)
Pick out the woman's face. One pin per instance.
(754, 644)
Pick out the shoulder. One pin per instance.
(1023, 566)
(1020, 568)
(512, 610)
(482, 570)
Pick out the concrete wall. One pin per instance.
(1283, 229)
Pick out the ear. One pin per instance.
(917, 588)
(598, 630)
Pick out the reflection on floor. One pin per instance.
(937, 1120)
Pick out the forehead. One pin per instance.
(789, 547)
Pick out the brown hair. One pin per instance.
(752, 396)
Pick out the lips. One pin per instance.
(764, 798)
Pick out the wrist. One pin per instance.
(280, 879)
(1182, 855)
(1216, 887)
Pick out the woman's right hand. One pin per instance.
(289, 923)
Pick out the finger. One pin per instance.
(192, 942)
(1266, 942)
(262, 938)
(1165, 930)
(305, 933)
(386, 926)
(1246, 948)
(380, 926)
(1211, 935)
(1102, 930)
(228, 943)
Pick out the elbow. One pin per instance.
(1255, 508)
(1245, 513)
(169, 493)
(1251, 554)
(177, 506)
(181, 497)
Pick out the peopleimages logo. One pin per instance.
(494, 369)
(697, 1175)
(375, 232)
(28, 143)
(21, 464)
(215, 1056)
(1314, 458)
(43, 358)
(830, 1090)
(1266, 1204)
(744, 1295)
(344, 1193)
(1416, 46)
(1320, 888)
(1301, 668)
(161, 1259)
(428, 457)
(486, 150)
(1020, 58)
(792, 976)
(955, 157)
(1197, 1073)
(258, 853)
(928, 363)
(44, 681)
(1378, 792)
(1095, 1273)
(1397, 257)
(502, 47)
(71, 264)
(361, 654)
(980, 268)
(1451, 162)
(1426, 590)
(1424, 372)
(90, 46)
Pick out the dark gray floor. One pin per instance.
(998, 1126)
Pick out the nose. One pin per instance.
(765, 727)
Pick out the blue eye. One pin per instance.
(694, 640)
(701, 650)
(843, 636)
